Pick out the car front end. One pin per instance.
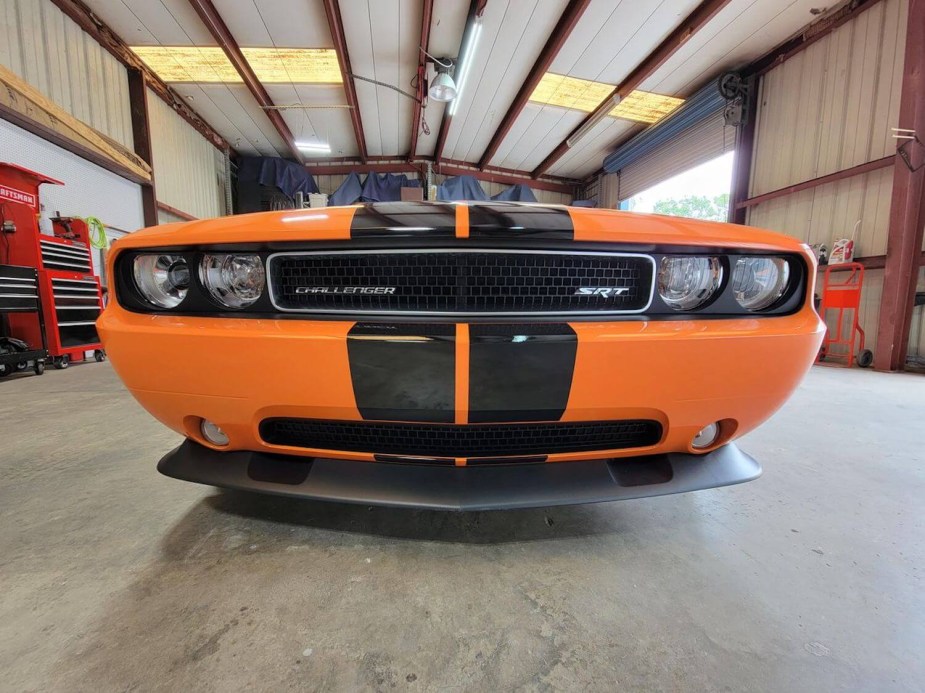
(460, 356)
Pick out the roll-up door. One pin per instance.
(694, 134)
(694, 146)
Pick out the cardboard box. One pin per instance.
(412, 194)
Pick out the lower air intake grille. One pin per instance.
(473, 440)
(472, 282)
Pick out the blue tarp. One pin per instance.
(348, 192)
(461, 188)
(386, 187)
(516, 193)
(285, 175)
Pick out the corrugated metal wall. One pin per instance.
(186, 171)
(54, 55)
(829, 108)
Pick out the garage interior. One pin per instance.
(122, 114)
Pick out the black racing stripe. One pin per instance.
(403, 372)
(404, 220)
(503, 219)
(520, 372)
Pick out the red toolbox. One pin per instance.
(70, 292)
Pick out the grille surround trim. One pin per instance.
(457, 314)
(472, 441)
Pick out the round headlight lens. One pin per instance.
(162, 280)
(685, 283)
(759, 282)
(235, 281)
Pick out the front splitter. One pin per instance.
(460, 488)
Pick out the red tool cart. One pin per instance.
(70, 292)
(841, 294)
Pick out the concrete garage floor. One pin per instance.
(115, 578)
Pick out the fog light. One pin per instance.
(213, 433)
(706, 437)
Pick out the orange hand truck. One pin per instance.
(839, 297)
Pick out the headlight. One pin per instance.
(235, 281)
(759, 282)
(161, 279)
(685, 283)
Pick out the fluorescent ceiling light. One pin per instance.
(570, 92)
(316, 147)
(645, 107)
(464, 64)
(591, 123)
(208, 64)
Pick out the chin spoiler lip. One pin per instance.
(461, 488)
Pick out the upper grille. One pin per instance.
(454, 282)
(472, 440)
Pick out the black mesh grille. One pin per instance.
(461, 282)
(473, 440)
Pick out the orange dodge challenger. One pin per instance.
(460, 356)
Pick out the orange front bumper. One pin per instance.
(237, 372)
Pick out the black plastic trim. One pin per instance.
(198, 304)
(444, 487)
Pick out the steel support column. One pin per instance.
(141, 139)
(907, 207)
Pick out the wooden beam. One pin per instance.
(336, 25)
(907, 206)
(219, 30)
(567, 22)
(694, 22)
(476, 8)
(100, 32)
(874, 165)
(427, 16)
(26, 106)
(176, 212)
(141, 134)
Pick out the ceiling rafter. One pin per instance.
(100, 32)
(219, 30)
(336, 25)
(566, 24)
(476, 9)
(426, 18)
(693, 23)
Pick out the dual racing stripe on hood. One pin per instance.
(505, 373)
(503, 220)
(404, 220)
(475, 220)
(446, 373)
